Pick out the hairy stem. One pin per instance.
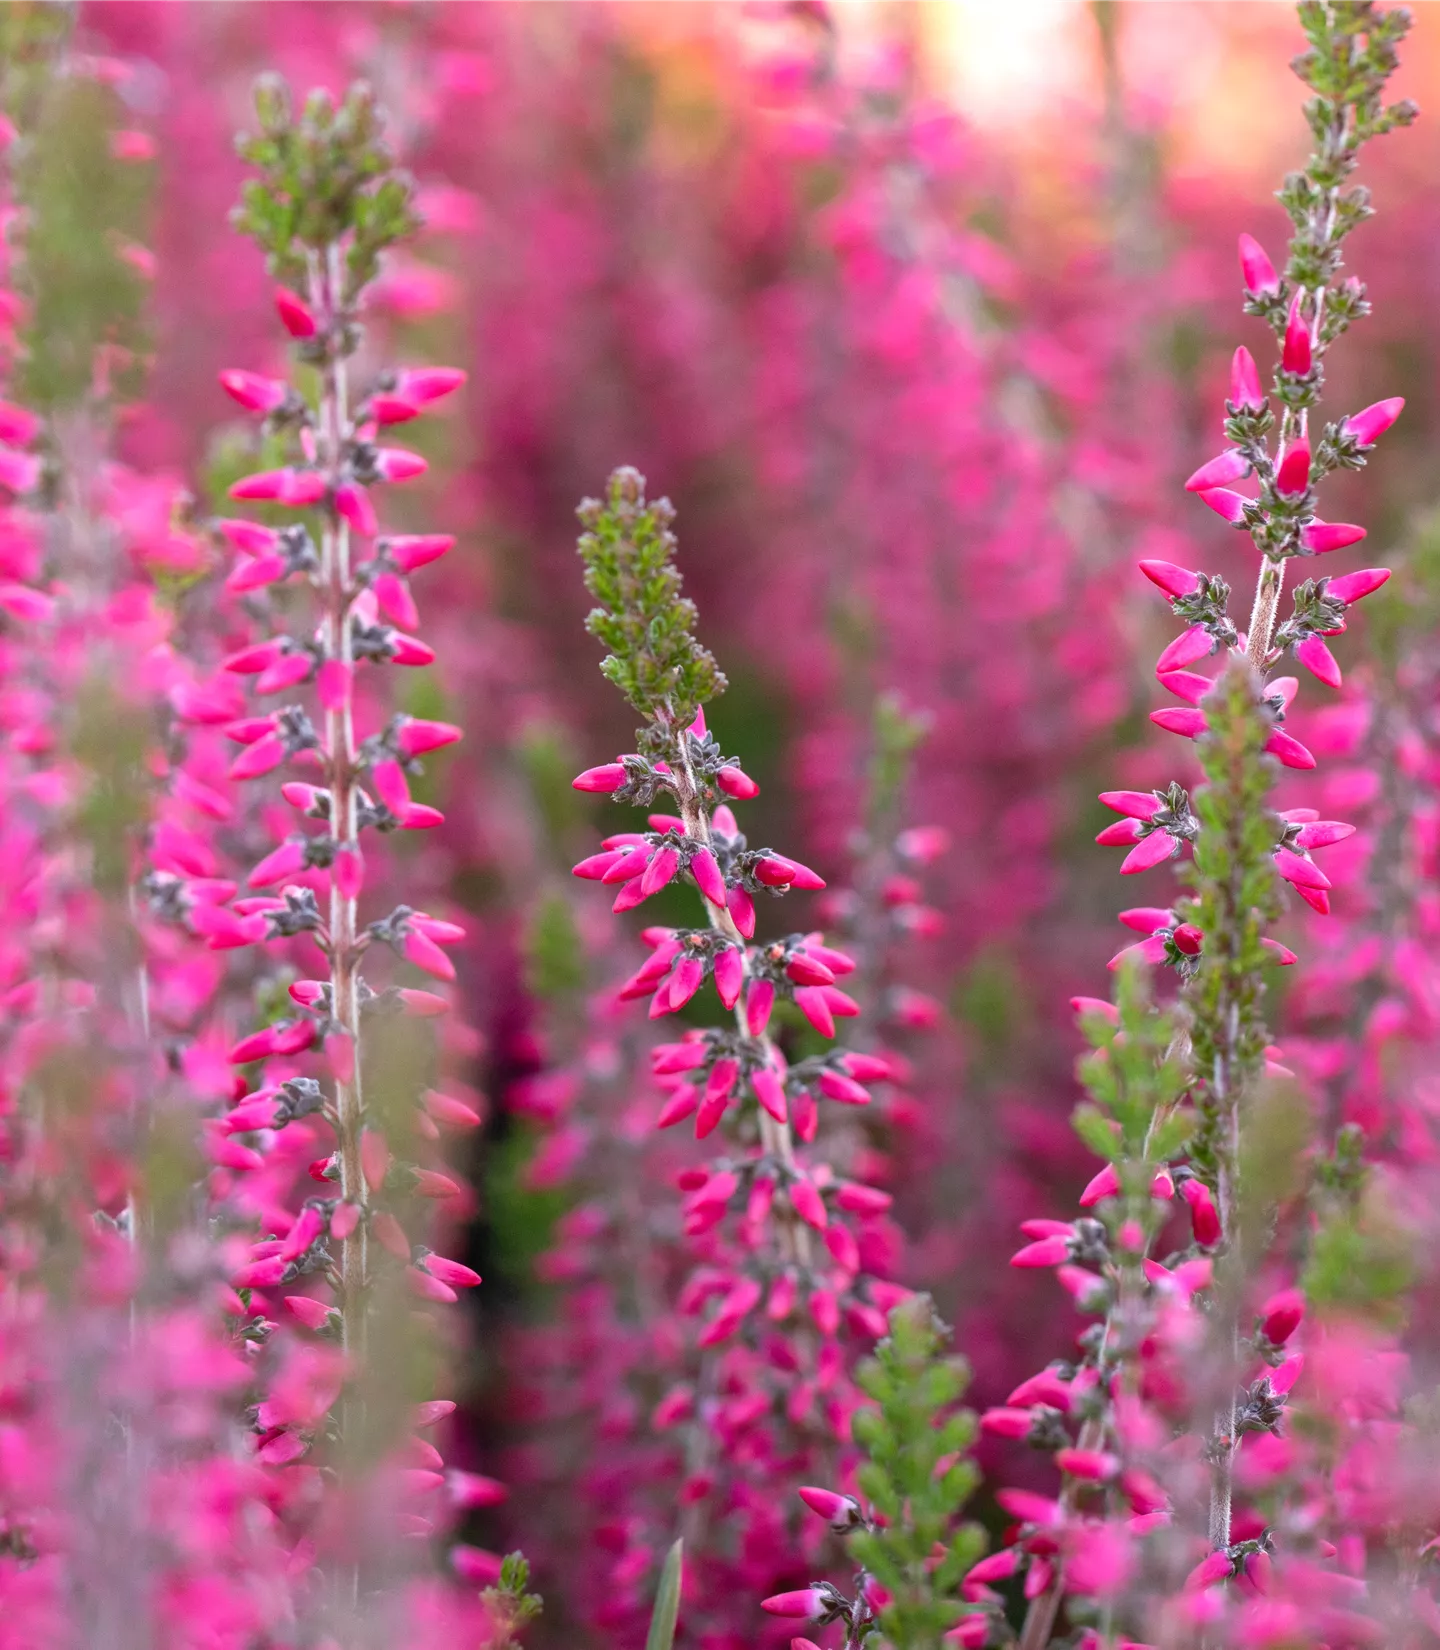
(341, 775)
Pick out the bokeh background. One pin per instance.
(920, 314)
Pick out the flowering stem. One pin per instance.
(774, 1135)
(341, 774)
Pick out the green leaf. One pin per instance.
(667, 1602)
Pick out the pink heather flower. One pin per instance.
(736, 784)
(1318, 660)
(997, 1567)
(807, 1604)
(1045, 1388)
(1256, 268)
(295, 314)
(1218, 472)
(1245, 391)
(1047, 1251)
(759, 999)
(1321, 537)
(1188, 647)
(416, 550)
(839, 1511)
(398, 464)
(297, 488)
(249, 536)
(259, 757)
(1007, 1423)
(604, 779)
(1290, 752)
(18, 426)
(1217, 1567)
(1303, 872)
(1204, 1217)
(1320, 833)
(19, 472)
(1296, 354)
(1094, 1465)
(254, 392)
(1293, 476)
(1281, 1315)
(742, 909)
(1188, 723)
(1173, 580)
(415, 737)
(1367, 426)
(1150, 851)
(1227, 503)
(1188, 685)
(1136, 804)
(729, 973)
(353, 503)
(1353, 587)
(770, 1092)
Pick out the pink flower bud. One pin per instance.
(1173, 580)
(742, 910)
(807, 1604)
(660, 870)
(255, 573)
(415, 550)
(1293, 476)
(1189, 646)
(349, 871)
(18, 426)
(1219, 472)
(729, 973)
(769, 1092)
(840, 1511)
(1150, 851)
(603, 780)
(1095, 1466)
(1136, 804)
(1245, 391)
(1045, 1388)
(295, 314)
(22, 602)
(1318, 660)
(415, 738)
(1048, 1251)
(706, 871)
(280, 863)
(1366, 427)
(1289, 750)
(451, 1272)
(759, 999)
(1188, 939)
(422, 1005)
(737, 784)
(421, 950)
(997, 1567)
(444, 1108)
(254, 393)
(812, 1003)
(1226, 503)
(1320, 537)
(392, 595)
(1320, 833)
(1296, 353)
(1204, 1217)
(1217, 1567)
(1255, 266)
(1120, 834)
(396, 464)
(1006, 1422)
(862, 1200)
(1281, 1315)
(1302, 872)
(808, 1204)
(1103, 1185)
(1188, 723)
(1353, 587)
(312, 1313)
(805, 970)
(19, 472)
(834, 1085)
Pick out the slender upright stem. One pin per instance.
(336, 592)
(774, 1135)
